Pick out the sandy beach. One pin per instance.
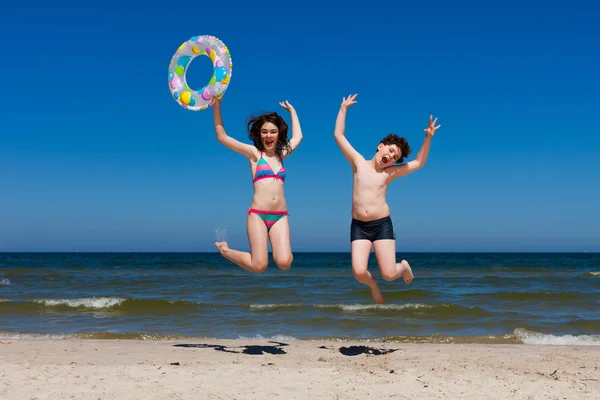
(251, 369)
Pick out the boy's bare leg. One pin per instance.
(256, 261)
(385, 252)
(360, 260)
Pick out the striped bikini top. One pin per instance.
(263, 170)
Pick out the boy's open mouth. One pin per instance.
(385, 159)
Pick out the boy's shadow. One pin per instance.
(357, 350)
(253, 350)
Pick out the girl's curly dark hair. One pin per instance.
(255, 124)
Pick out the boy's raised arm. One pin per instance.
(340, 127)
(421, 158)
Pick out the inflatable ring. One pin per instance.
(209, 46)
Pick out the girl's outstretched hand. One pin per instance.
(286, 104)
(347, 102)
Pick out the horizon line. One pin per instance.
(302, 252)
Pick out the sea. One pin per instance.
(531, 299)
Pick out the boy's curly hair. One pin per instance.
(255, 124)
(402, 144)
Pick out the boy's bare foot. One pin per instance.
(407, 274)
(377, 296)
(222, 246)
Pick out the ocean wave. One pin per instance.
(520, 336)
(127, 336)
(132, 306)
(121, 304)
(342, 307)
(88, 335)
(595, 273)
(449, 339)
(369, 307)
(537, 338)
(89, 302)
(391, 307)
(278, 338)
(530, 296)
(414, 310)
(432, 339)
(18, 335)
(273, 306)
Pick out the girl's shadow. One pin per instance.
(250, 349)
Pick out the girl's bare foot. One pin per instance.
(222, 246)
(407, 273)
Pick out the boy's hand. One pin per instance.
(286, 104)
(431, 128)
(347, 102)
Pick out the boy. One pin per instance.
(371, 223)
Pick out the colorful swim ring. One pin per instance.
(209, 46)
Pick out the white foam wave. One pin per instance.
(595, 273)
(4, 281)
(537, 338)
(17, 336)
(261, 337)
(364, 307)
(87, 302)
(271, 306)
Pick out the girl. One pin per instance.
(267, 216)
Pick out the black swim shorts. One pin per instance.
(378, 229)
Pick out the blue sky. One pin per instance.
(95, 155)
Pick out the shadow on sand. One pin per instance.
(277, 349)
(371, 351)
(253, 350)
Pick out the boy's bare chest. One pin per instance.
(369, 178)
